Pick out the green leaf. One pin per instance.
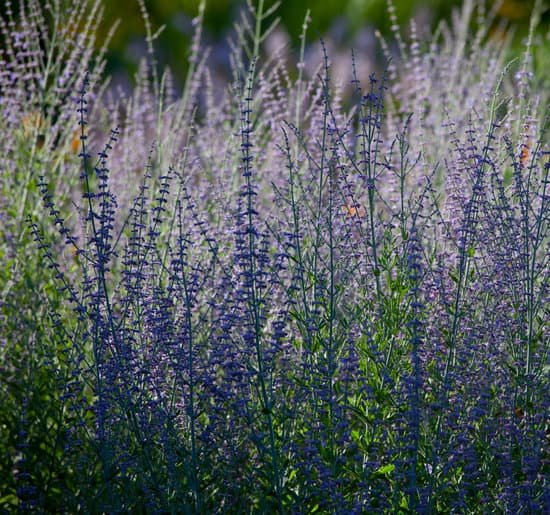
(385, 470)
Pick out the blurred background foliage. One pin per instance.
(349, 23)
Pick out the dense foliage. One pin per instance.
(287, 294)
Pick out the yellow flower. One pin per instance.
(525, 152)
(31, 122)
(33, 126)
(351, 209)
(75, 142)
